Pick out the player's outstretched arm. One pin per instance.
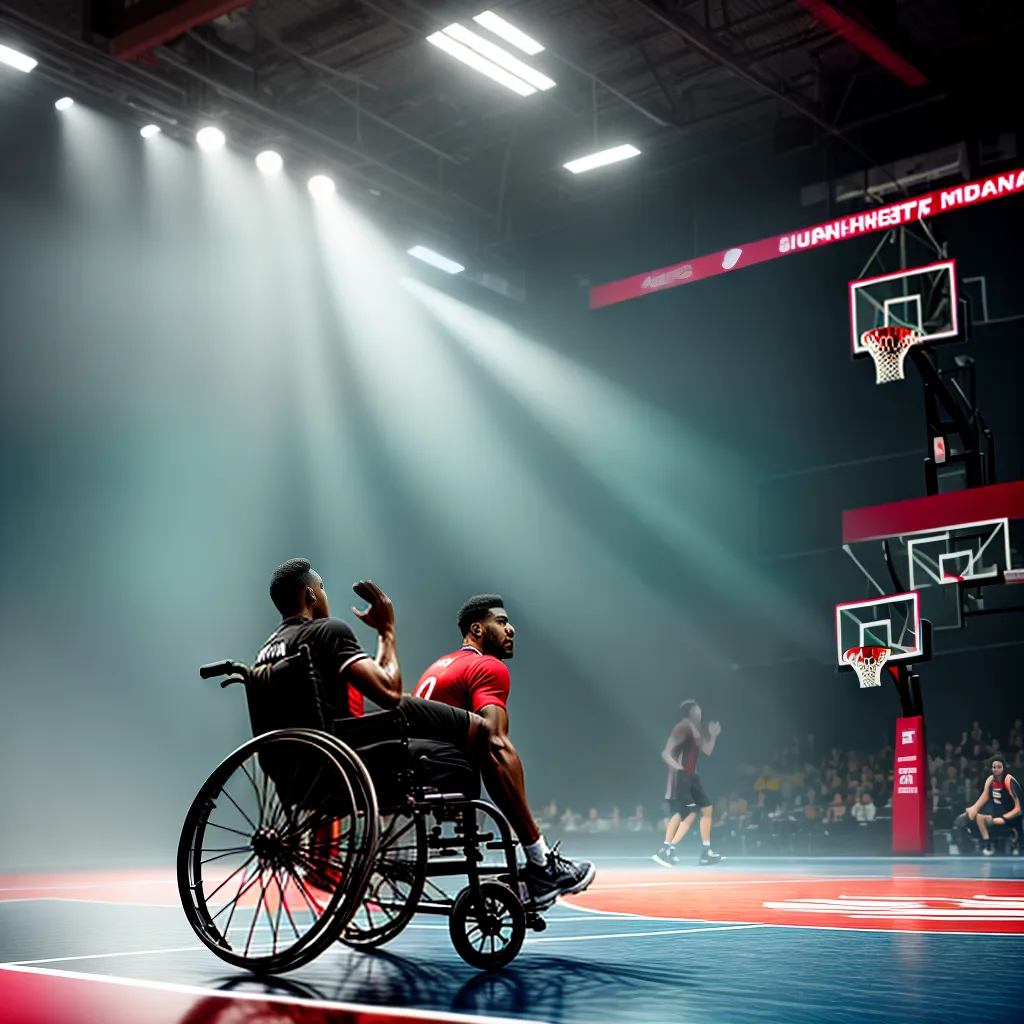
(381, 679)
(707, 743)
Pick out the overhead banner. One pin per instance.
(854, 225)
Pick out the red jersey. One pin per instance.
(466, 679)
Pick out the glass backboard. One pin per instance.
(892, 621)
(923, 298)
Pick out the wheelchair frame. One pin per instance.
(367, 780)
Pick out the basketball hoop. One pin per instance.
(889, 347)
(867, 662)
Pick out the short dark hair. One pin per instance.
(285, 583)
(686, 707)
(476, 609)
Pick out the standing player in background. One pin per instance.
(1003, 795)
(476, 679)
(685, 792)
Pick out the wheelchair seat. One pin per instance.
(397, 765)
(444, 768)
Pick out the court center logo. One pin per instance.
(988, 909)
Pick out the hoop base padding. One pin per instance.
(889, 347)
(867, 662)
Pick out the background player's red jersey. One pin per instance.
(466, 679)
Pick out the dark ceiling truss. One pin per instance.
(354, 83)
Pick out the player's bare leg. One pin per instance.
(708, 856)
(682, 829)
(983, 821)
(670, 828)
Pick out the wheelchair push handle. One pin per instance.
(222, 668)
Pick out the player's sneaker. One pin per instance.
(708, 856)
(558, 876)
(986, 850)
(666, 856)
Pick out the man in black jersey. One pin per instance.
(346, 673)
(684, 791)
(1002, 795)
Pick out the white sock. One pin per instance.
(537, 853)
(707, 843)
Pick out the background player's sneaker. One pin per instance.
(708, 856)
(558, 876)
(666, 856)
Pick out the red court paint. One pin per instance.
(906, 903)
(31, 996)
(156, 886)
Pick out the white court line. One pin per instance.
(87, 902)
(89, 885)
(800, 880)
(260, 997)
(642, 935)
(100, 956)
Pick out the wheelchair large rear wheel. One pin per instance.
(396, 881)
(275, 850)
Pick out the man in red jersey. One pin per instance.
(476, 679)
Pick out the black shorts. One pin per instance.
(689, 793)
(432, 720)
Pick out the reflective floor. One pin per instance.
(790, 941)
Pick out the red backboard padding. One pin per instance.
(938, 512)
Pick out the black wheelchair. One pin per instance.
(315, 832)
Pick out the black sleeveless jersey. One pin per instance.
(1002, 795)
(332, 646)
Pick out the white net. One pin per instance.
(889, 347)
(867, 662)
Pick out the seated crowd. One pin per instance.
(802, 793)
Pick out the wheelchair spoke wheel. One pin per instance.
(265, 857)
(395, 884)
(488, 931)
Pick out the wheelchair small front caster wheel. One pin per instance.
(488, 933)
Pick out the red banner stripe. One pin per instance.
(852, 226)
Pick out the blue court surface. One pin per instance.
(939, 939)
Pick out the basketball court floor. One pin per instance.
(937, 939)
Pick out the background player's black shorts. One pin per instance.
(690, 793)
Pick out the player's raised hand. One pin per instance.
(714, 728)
(381, 613)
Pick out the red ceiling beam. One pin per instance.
(859, 35)
(134, 27)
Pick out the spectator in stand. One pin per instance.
(637, 822)
(614, 821)
(811, 810)
(768, 781)
(737, 803)
(864, 811)
(836, 811)
(1016, 738)
(570, 821)
(594, 822)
